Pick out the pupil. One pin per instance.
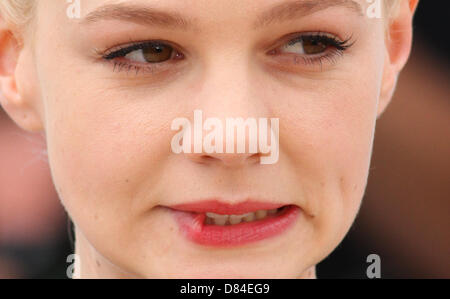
(311, 46)
(157, 53)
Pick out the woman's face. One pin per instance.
(108, 102)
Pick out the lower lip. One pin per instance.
(193, 227)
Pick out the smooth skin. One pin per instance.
(108, 129)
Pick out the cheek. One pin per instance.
(106, 160)
(102, 147)
(328, 143)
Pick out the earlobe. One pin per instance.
(15, 101)
(398, 49)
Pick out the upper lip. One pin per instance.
(225, 208)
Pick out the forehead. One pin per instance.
(192, 12)
(224, 6)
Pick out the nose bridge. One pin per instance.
(227, 95)
(227, 87)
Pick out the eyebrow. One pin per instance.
(300, 8)
(146, 15)
(138, 14)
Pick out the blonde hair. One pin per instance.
(17, 12)
(20, 12)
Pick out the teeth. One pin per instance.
(249, 217)
(235, 219)
(261, 214)
(217, 219)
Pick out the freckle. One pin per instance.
(127, 180)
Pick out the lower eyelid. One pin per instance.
(294, 62)
(124, 65)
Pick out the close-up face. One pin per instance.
(106, 87)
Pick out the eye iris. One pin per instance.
(157, 53)
(313, 46)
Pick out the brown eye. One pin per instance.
(151, 53)
(312, 46)
(306, 45)
(157, 53)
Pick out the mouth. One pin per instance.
(214, 223)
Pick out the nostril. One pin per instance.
(208, 158)
(202, 158)
(228, 160)
(255, 159)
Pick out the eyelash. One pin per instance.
(338, 47)
(121, 52)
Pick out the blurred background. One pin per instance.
(404, 218)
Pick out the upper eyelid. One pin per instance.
(136, 67)
(132, 44)
(131, 47)
(347, 42)
(338, 44)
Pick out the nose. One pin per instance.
(230, 106)
(230, 142)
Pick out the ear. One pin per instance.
(17, 90)
(398, 48)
